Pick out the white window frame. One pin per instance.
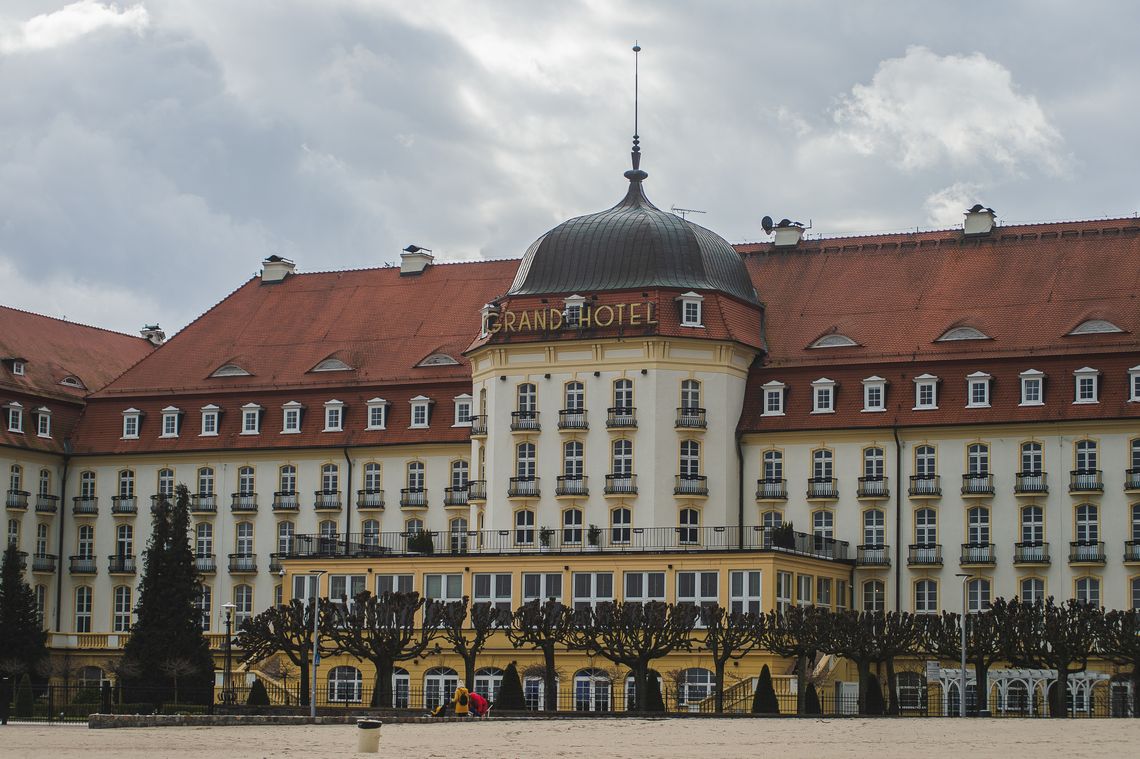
(421, 404)
(495, 594)
(921, 382)
(400, 582)
(698, 597)
(463, 401)
(170, 419)
(744, 594)
(18, 368)
(210, 413)
(926, 600)
(1093, 377)
(870, 385)
(334, 416)
(978, 381)
(15, 417)
(593, 598)
(545, 581)
(1031, 377)
(785, 582)
(774, 389)
(692, 310)
(132, 420)
(251, 411)
(374, 405)
(823, 388)
(1134, 384)
(445, 579)
(43, 422)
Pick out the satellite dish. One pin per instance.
(767, 225)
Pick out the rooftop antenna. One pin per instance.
(683, 211)
(636, 174)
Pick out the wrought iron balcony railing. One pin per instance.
(16, 499)
(205, 563)
(326, 500)
(822, 487)
(873, 555)
(124, 504)
(479, 425)
(572, 485)
(121, 564)
(873, 486)
(1086, 552)
(1132, 479)
(771, 489)
(413, 498)
(1085, 481)
(925, 485)
(43, 562)
(286, 500)
(370, 498)
(523, 487)
(1031, 552)
(621, 484)
(455, 496)
(691, 418)
(977, 483)
(243, 563)
(243, 502)
(619, 417)
(1132, 550)
(47, 503)
(924, 555)
(1030, 483)
(83, 564)
(978, 553)
(691, 484)
(476, 490)
(84, 505)
(525, 421)
(573, 419)
(204, 503)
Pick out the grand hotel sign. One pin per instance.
(585, 316)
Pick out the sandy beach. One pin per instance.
(601, 739)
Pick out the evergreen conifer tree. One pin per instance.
(23, 642)
(654, 701)
(257, 694)
(764, 701)
(811, 701)
(24, 700)
(875, 704)
(511, 691)
(168, 625)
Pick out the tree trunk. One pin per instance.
(982, 686)
(303, 696)
(549, 684)
(382, 688)
(892, 688)
(469, 672)
(864, 670)
(720, 686)
(640, 687)
(801, 682)
(1060, 705)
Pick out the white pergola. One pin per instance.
(1017, 690)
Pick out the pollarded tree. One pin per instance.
(22, 637)
(543, 626)
(941, 636)
(633, 635)
(486, 619)
(1120, 644)
(729, 635)
(1062, 637)
(385, 630)
(874, 637)
(288, 629)
(797, 632)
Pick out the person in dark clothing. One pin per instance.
(5, 699)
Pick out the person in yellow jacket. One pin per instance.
(462, 700)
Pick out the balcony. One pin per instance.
(771, 489)
(121, 564)
(455, 496)
(822, 489)
(83, 506)
(977, 554)
(691, 418)
(572, 419)
(621, 484)
(691, 485)
(17, 499)
(525, 421)
(124, 505)
(1031, 552)
(203, 503)
(1132, 551)
(47, 504)
(43, 562)
(873, 487)
(621, 417)
(369, 499)
(83, 565)
(523, 487)
(1030, 483)
(572, 485)
(977, 484)
(205, 563)
(243, 502)
(1085, 481)
(286, 500)
(413, 498)
(877, 555)
(925, 486)
(275, 562)
(1086, 552)
(924, 555)
(21, 560)
(243, 563)
(326, 500)
(479, 426)
(476, 490)
(1132, 480)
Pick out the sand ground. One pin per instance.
(601, 739)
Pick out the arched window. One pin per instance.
(87, 485)
(243, 603)
(592, 691)
(1032, 461)
(166, 483)
(41, 539)
(459, 474)
(822, 465)
(246, 484)
(912, 692)
(874, 596)
(85, 545)
(83, 609)
(690, 395)
(572, 460)
(525, 462)
(121, 619)
(1032, 527)
(126, 483)
(206, 481)
(687, 534)
(401, 688)
(822, 524)
(1085, 456)
(575, 396)
(978, 459)
(873, 464)
(925, 462)
(371, 477)
(527, 399)
(202, 603)
(874, 530)
(45, 482)
(533, 693)
(285, 532)
(488, 681)
(243, 538)
(345, 684)
(524, 527)
(1088, 590)
(458, 532)
(623, 397)
(327, 528)
(690, 459)
(204, 540)
(621, 521)
(287, 480)
(978, 527)
(1032, 590)
(416, 476)
(1136, 522)
(16, 478)
(773, 466)
(572, 526)
(330, 479)
(771, 519)
(124, 540)
(13, 532)
(1088, 528)
(926, 597)
(977, 595)
(925, 528)
(370, 533)
(621, 462)
(439, 685)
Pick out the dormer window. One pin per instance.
(377, 414)
(962, 333)
(251, 419)
(170, 421)
(925, 392)
(572, 314)
(1134, 384)
(438, 359)
(230, 370)
(210, 420)
(773, 398)
(691, 309)
(834, 341)
(131, 423)
(291, 418)
(332, 365)
(18, 368)
(43, 421)
(334, 416)
(421, 412)
(487, 315)
(463, 410)
(1032, 388)
(15, 417)
(874, 394)
(823, 396)
(1087, 381)
(978, 390)
(1095, 327)
(72, 381)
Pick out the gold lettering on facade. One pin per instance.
(524, 322)
(598, 316)
(509, 321)
(634, 316)
(650, 318)
(542, 319)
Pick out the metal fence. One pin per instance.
(75, 702)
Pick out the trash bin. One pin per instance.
(367, 736)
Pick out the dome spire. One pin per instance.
(635, 174)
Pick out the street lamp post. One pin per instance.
(315, 596)
(227, 673)
(962, 673)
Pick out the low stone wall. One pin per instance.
(104, 721)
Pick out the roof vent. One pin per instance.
(788, 232)
(979, 220)
(414, 259)
(275, 269)
(153, 334)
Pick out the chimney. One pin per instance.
(788, 233)
(275, 268)
(153, 334)
(979, 220)
(414, 259)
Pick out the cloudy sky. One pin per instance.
(153, 152)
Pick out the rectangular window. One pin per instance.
(419, 415)
(16, 420)
(540, 587)
(774, 400)
(591, 588)
(840, 595)
(824, 397)
(494, 589)
(1086, 389)
(209, 423)
(803, 589)
(925, 395)
(783, 591)
(463, 412)
(691, 314)
(344, 588)
(43, 424)
(979, 393)
(250, 421)
(644, 586)
(873, 397)
(1134, 384)
(393, 584)
(744, 591)
(130, 426)
(121, 622)
(823, 591)
(170, 425)
(698, 589)
(333, 418)
(443, 587)
(291, 421)
(83, 609)
(1031, 391)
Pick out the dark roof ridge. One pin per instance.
(73, 323)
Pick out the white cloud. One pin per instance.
(923, 110)
(944, 208)
(50, 30)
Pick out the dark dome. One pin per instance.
(632, 245)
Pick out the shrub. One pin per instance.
(24, 700)
(784, 536)
(421, 542)
(764, 699)
(86, 696)
(511, 692)
(811, 701)
(257, 694)
(874, 703)
(653, 700)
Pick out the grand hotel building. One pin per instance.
(624, 413)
